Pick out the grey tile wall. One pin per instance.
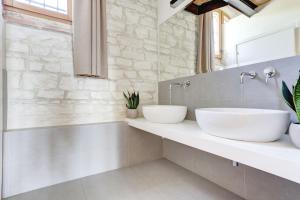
(40, 157)
(249, 183)
(223, 89)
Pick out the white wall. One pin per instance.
(165, 11)
(41, 86)
(275, 16)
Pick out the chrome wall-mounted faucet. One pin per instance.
(183, 85)
(250, 74)
(270, 72)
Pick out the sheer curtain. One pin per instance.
(205, 59)
(89, 39)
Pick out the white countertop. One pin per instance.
(280, 158)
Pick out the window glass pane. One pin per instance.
(60, 6)
(63, 5)
(216, 30)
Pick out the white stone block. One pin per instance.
(96, 84)
(68, 83)
(39, 81)
(19, 94)
(62, 53)
(118, 95)
(114, 50)
(131, 17)
(51, 94)
(116, 12)
(148, 21)
(101, 95)
(67, 67)
(35, 66)
(78, 95)
(141, 33)
(114, 25)
(148, 75)
(115, 74)
(130, 74)
(15, 63)
(52, 67)
(13, 79)
(17, 47)
(123, 61)
(38, 50)
(142, 65)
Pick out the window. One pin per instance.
(217, 33)
(219, 18)
(60, 10)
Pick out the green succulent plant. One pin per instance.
(132, 99)
(292, 98)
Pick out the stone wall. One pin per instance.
(41, 88)
(178, 46)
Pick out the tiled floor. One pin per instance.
(157, 180)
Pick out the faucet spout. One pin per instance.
(251, 75)
(183, 85)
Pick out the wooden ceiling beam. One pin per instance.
(205, 7)
(212, 5)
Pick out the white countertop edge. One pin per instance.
(280, 158)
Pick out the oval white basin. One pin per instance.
(255, 125)
(165, 114)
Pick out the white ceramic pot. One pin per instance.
(294, 132)
(132, 113)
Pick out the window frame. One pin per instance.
(222, 16)
(13, 5)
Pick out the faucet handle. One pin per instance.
(270, 72)
(252, 74)
(186, 84)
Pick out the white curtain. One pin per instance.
(89, 39)
(205, 59)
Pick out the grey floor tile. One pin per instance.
(156, 180)
(65, 191)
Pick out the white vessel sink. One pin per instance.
(165, 114)
(255, 125)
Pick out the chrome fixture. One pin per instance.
(270, 72)
(183, 85)
(235, 164)
(250, 74)
(247, 7)
(175, 3)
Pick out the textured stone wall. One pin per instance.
(41, 87)
(178, 46)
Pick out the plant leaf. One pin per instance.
(297, 98)
(132, 99)
(125, 96)
(138, 99)
(288, 96)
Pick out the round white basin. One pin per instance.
(165, 114)
(256, 125)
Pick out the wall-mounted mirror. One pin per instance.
(225, 38)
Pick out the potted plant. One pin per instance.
(133, 100)
(293, 101)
